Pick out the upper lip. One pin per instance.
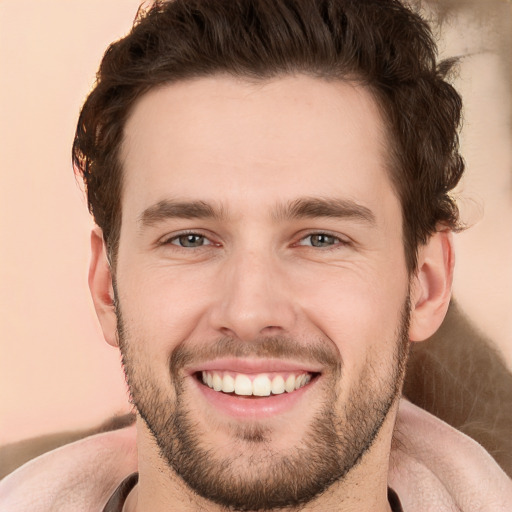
(255, 365)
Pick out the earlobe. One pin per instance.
(432, 285)
(100, 285)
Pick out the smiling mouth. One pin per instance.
(255, 385)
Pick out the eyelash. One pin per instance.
(169, 241)
(337, 240)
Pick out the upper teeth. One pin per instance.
(257, 385)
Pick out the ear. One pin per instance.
(432, 285)
(100, 285)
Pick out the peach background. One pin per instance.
(55, 370)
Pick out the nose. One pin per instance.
(253, 298)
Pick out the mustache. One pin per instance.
(276, 347)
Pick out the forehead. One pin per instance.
(251, 144)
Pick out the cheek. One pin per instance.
(163, 306)
(360, 312)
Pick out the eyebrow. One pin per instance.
(169, 209)
(317, 207)
(302, 208)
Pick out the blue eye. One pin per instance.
(190, 240)
(320, 240)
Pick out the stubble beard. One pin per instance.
(263, 479)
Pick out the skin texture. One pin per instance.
(250, 151)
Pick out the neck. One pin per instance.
(363, 488)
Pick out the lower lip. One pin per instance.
(253, 407)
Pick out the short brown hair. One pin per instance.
(380, 44)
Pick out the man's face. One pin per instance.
(261, 252)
